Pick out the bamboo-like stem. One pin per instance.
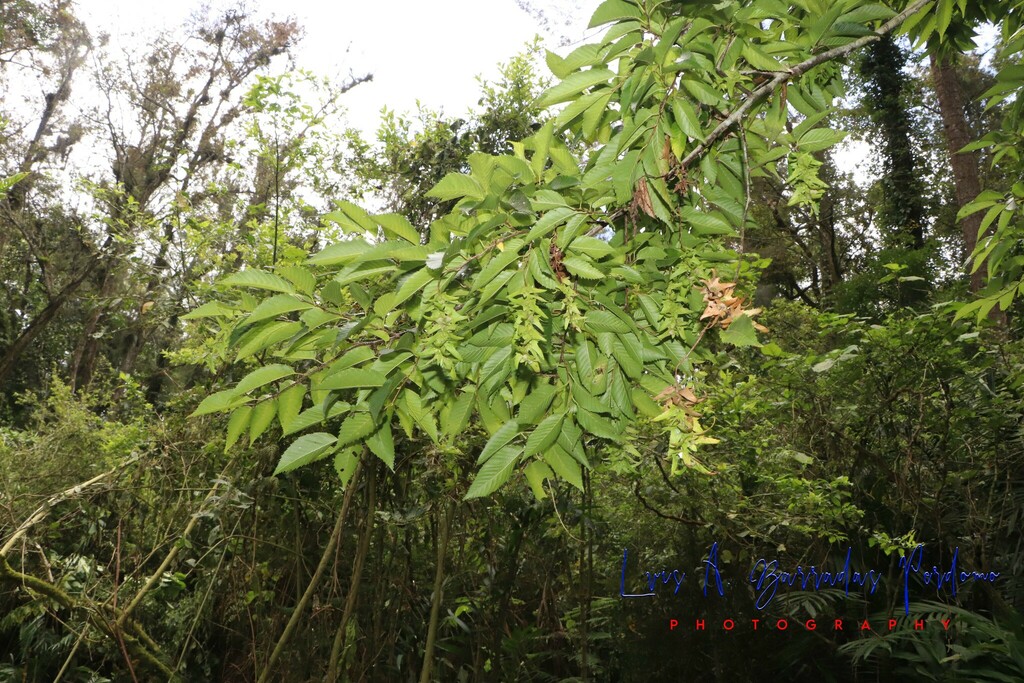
(435, 606)
(173, 553)
(325, 559)
(338, 647)
(43, 510)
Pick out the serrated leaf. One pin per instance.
(565, 466)
(211, 309)
(613, 10)
(499, 440)
(262, 416)
(573, 84)
(817, 139)
(237, 424)
(382, 444)
(494, 472)
(217, 402)
(686, 118)
(603, 321)
(536, 403)
(581, 266)
(351, 378)
(269, 335)
(455, 420)
(289, 404)
(298, 276)
(591, 247)
(258, 279)
(536, 472)
(544, 434)
(456, 186)
(340, 252)
(275, 306)
(356, 427)
(741, 332)
(261, 376)
(410, 286)
(305, 450)
(345, 462)
(397, 225)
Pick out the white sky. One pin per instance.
(426, 50)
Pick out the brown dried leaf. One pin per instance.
(642, 197)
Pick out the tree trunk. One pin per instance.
(40, 323)
(964, 164)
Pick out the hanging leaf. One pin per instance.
(494, 472)
(260, 376)
(304, 450)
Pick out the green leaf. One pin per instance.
(495, 472)
(266, 337)
(218, 402)
(356, 427)
(260, 376)
(499, 440)
(289, 404)
(548, 222)
(298, 276)
(262, 415)
(456, 186)
(345, 462)
(702, 92)
(545, 434)
(603, 321)
(536, 472)
(305, 450)
(339, 252)
(686, 118)
(818, 139)
(397, 225)
(275, 306)
(565, 465)
(613, 10)
(237, 423)
(258, 279)
(382, 444)
(351, 379)
(741, 332)
(454, 421)
(410, 286)
(581, 266)
(573, 85)
(702, 223)
(211, 309)
(591, 246)
(536, 403)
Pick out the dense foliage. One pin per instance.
(254, 430)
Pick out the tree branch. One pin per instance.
(781, 77)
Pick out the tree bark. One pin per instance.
(964, 164)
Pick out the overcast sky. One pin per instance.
(426, 50)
